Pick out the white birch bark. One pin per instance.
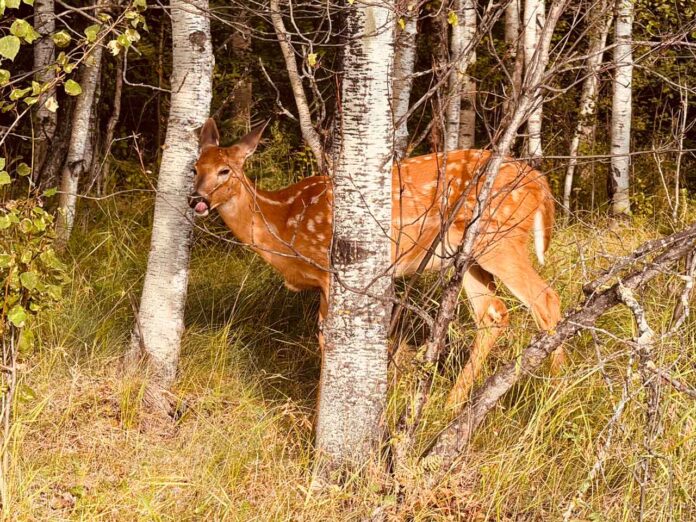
(404, 64)
(461, 52)
(45, 121)
(467, 111)
(353, 384)
(78, 159)
(160, 321)
(621, 108)
(534, 19)
(601, 20)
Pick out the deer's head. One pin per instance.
(220, 170)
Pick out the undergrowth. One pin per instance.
(242, 449)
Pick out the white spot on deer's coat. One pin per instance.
(310, 225)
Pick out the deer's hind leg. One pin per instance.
(491, 317)
(509, 261)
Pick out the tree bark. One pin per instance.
(353, 384)
(160, 319)
(534, 17)
(241, 47)
(77, 161)
(600, 19)
(404, 64)
(45, 121)
(621, 109)
(467, 111)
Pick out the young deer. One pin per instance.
(292, 229)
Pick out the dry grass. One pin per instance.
(242, 450)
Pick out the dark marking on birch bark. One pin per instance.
(198, 39)
(347, 252)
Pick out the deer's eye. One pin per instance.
(223, 172)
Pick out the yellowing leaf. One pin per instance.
(9, 46)
(312, 59)
(61, 39)
(4, 179)
(452, 18)
(72, 88)
(4, 76)
(23, 169)
(92, 31)
(17, 315)
(24, 30)
(51, 104)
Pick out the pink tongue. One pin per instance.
(201, 207)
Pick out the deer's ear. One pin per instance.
(247, 145)
(209, 135)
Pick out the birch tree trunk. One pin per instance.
(45, 121)
(534, 19)
(461, 52)
(467, 111)
(353, 384)
(600, 19)
(404, 64)
(78, 160)
(160, 321)
(621, 109)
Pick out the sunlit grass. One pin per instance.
(249, 368)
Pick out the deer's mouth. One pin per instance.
(201, 208)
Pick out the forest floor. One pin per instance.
(249, 368)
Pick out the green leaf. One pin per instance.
(4, 179)
(29, 2)
(5, 221)
(61, 39)
(50, 192)
(17, 94)
(17, 315)
(9, 46)
(92, 31)
(4, 76)
(26, 337)
(2, 163)
(5, 260)
(13, 4)
(24, 30)
(23, 169)
(29, 280)
(31, 100)
(140, 3)
(73, 88)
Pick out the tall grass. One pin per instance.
(242, 449)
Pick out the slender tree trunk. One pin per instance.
(621, 109)
(467, 111)
(241, 47)
(440, 59)
(600, 18)
(461, 53)
(404, 64)
(534, 18)
(353, 384)
(102, 167)
(45, 121)
(77, 161)
(160, 320)
(512, 25)
(309, 133)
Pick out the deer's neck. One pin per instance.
(257, 218)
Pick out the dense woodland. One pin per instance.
(298, 260)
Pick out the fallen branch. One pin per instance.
(454, 439)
